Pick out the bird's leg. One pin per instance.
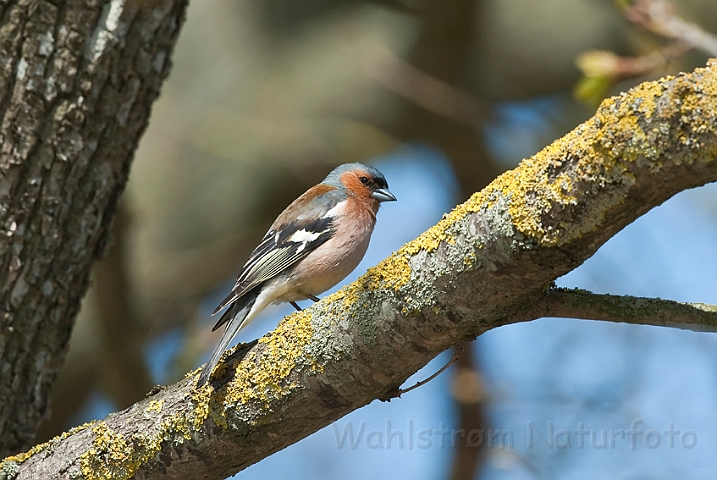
(309, 296)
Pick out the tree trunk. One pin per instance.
(77, 81)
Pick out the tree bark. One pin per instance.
(77, 80)
(488, 263)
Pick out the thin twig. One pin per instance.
(659, 17)
(602, 69)
(398, 392)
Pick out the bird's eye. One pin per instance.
(364, 180)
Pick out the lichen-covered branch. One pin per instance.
(559, 302)
(77, 81)
(487, 263)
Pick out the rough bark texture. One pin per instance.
(77, 80)
(486, 264)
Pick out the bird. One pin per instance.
(312, 245)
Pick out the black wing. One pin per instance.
(277, 252)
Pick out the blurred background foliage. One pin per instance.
(265, 97)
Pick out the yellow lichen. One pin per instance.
(111, 456)
(469, 260)
(201, 399)
(394, 272)
(266, 379)
(520, 186)
(114, 457)
(155, 406)
(21, 457)
(108, 457)
(647, 93)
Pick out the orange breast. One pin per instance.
(334, 260)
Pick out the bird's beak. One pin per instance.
(383, 195)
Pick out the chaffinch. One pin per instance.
(313, 245)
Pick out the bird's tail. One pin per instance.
(236, 315)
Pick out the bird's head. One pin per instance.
(361, 180)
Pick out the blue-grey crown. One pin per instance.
(334, 180)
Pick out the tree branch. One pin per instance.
(660, 18)
(564, 303)
(486, 264)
